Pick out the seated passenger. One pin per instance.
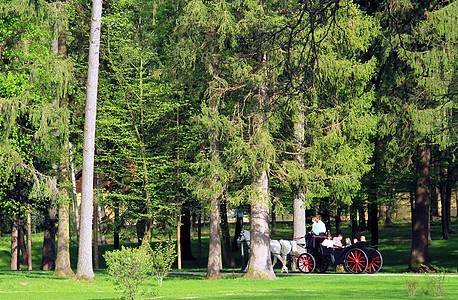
(363, 238)
(321, 225)
(328, 242)
(348, 242)
(337, 241)
(355, 240)
(315, 228)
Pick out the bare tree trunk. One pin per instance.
(434, 201)
(373, 211)
(238, 229)
(102, 225)
(299, 224)
(84, 268)
(29, 237)
(419, 255)
(448, 198)
(338, 220)
(186, 251)
(299, 219)
(117, 226)
(178, 235)
(75, 200)
(444, 216)
(49, 240)
(63, 267)
(260, 264)
(14, 243)
(95, 225)
(228, 257)
(214, 251)
(22, 246)
(199, 241)
(273, 221)
(354, 222)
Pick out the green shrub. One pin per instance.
(411, 284)
(162, 259)
(433, 284)
(129, 268)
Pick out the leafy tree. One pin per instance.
(33, 128)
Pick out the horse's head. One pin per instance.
(244, 236)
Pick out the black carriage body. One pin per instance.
(356, 258)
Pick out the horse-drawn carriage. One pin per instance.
(314, 257)
(356, 258)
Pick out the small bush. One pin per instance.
(433, 284)
(162, 259)
(411, 284)
(129, 268)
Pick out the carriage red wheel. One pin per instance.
(356, 261)
(306, 263)
(375, 263)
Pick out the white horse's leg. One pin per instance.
(285, 250)
(275, 249)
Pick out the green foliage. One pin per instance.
(411, 285)
(162, 258)
(129, 268)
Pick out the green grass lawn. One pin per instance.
(37, 285)
(395, 246)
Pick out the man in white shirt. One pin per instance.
(321, 226)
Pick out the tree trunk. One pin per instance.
(63, 267)
(388, 213)
(84, 268)
(238, 229)
(102, 225)
(299, 224)
(214, 251)
(362, 217)
(338, 220)
(354, 222)
(22, 246)
(434, 201)
(373, 211)
(75, 200)
(444, 216)
(199, 241)
(29, 237)
(299, 219)
(49, 240)
(273, 221)
(178, 234)
(117, 226)
(228, 257)
(419, 255)
(186, 251)
(260, 263)
(95, 228)
(448, 198)
(14, 243)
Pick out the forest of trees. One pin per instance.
(177, 110)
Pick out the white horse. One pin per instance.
(279, 249)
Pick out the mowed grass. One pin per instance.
(390, 283)
(194, 286)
